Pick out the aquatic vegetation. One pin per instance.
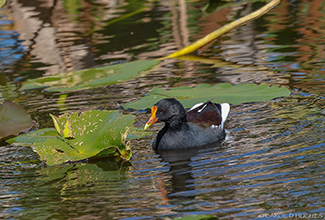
(80, 136)
(13, 120)
(222, 92)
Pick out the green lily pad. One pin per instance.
(93, 132)
(80, 136)
(13, 120)
(223, 92)
(33, 137)
(91, 78)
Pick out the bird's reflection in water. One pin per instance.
(182, 179)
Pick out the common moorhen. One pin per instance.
(201, 125)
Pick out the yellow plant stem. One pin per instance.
(2, 3)
(210, 37)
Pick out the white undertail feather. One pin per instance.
(225, 108)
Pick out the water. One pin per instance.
(270, 166)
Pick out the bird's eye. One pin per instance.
(162, 110)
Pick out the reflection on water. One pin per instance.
(11, 49)
(272, 161)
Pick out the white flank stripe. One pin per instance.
(196, 105)
(200, 110)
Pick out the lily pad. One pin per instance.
(13, 120)
(91, 78)
(91, 133)
(80, 136)
(223, 92)
(33, 137)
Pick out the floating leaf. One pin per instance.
(223, 92)
(43, 134)
(95, 134)
(91, 78)
(33, 137)
(13, 120)
(94, 131)
(56, 151)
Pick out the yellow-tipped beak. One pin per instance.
(152, 119)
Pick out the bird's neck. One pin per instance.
(176, 123)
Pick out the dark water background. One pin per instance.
(272, 163)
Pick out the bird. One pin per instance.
(203, 124)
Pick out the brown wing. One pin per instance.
(205, 115)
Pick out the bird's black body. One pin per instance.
(202, 125)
